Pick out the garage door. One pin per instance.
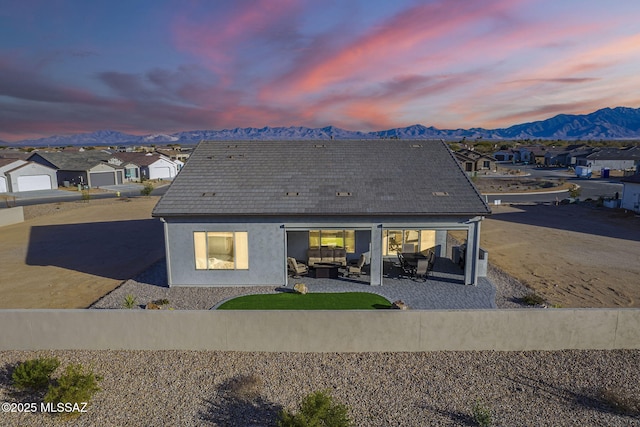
(99, 179)
(34, 182)
(3, 184)
(159, 172)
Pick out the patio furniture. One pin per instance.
(326, 255)
(326, 270)
(406, 266)
(353, 270)
(296, 268)
(422, 269)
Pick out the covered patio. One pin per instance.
(443, 289)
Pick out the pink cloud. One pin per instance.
(382, 51)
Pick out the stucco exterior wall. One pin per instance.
(267, 239)
(321, 331)
(266, 255)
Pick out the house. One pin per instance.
(631, 193)
(507, 155)
(472, 161)
(139, 166)
(611, 158)
(19, 175)
(239, 209)
(91, 168)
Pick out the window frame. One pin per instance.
(202, 254)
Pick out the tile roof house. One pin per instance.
(472, 161)
(92, 168)
(147, 165)
(18, 175)
(238, 209)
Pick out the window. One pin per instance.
(486, 164)
(221, 250)
(394, 241)
(334, 239)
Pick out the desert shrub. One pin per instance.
(532, 299)
(245, 387)
(316, 410)
(575, 191)
(34, 374)
(162, 301)
(76, 385)
(481, 414)
(147, 189)
(129, 301)
(620, 402)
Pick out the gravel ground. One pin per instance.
(189, 388)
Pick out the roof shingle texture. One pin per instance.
(383, 178)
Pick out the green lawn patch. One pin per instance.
(310, 301)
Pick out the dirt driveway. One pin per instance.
(572, 255)
(70, 254)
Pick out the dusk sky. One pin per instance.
(141, 67)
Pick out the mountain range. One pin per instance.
(607, 123)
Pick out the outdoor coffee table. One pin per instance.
(326, 270)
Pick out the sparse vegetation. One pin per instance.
(245, 387)
(129, 301)
(575, 191)
(316, 410)
(481, 414)
(147, 189)
(532, 299)
(162, 301)
(86, 196)
(34, 374)
(75, 386)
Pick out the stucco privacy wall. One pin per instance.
(321, 331)
(10, 216)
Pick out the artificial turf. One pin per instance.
(310, 301)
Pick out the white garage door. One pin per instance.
(3, 184)
(34, 182)
(159, 172)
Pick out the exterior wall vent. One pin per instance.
(343, 193)
(440, 193)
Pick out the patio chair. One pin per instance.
(296, 268)
(408, 269)
(356, 269)
(422, 270)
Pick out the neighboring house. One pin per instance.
(611, 158)
(631, 193)
(472, 161)
(504, 155)
(238, 209)
(139, 166)
(19, 175)
(92, 168)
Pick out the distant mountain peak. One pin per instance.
(606, 123)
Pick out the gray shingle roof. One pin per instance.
(79, 161)
(379, 177)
